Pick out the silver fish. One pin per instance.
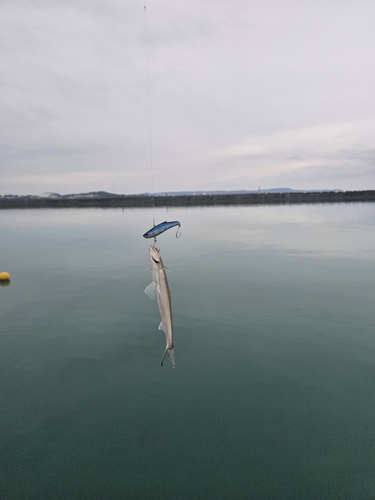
(160, 288)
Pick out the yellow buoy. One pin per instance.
(4, 276)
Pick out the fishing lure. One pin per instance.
(160, 228)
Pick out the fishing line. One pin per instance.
(163, 226)
(149, 117)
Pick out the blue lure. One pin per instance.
(160, 228)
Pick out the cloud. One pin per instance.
(302, 155)
(320, 138)
(240, 92)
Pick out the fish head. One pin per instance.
(155, 256)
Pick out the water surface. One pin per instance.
(272, 395)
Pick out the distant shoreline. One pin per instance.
(198, 200)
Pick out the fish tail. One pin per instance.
(170, 353)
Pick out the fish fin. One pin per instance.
(150, 290)
(170, 353)
(161, 326)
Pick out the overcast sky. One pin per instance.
(243, 94)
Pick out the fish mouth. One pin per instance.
(154, 255)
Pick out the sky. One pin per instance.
(239, 94)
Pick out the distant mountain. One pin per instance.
(92, 194)
(243, 191)
(105, 194)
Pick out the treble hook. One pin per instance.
(178, 229)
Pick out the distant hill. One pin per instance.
(211, 198)
(242, 191)
(92, 194)
(104, 194)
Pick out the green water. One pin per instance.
(273, 392)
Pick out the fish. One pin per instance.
(160, 288)
(160, 228)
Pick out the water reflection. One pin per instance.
(275, 354)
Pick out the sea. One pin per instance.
(273, 393)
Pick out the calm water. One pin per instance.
(273, 392)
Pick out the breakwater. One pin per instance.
(201, 200)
